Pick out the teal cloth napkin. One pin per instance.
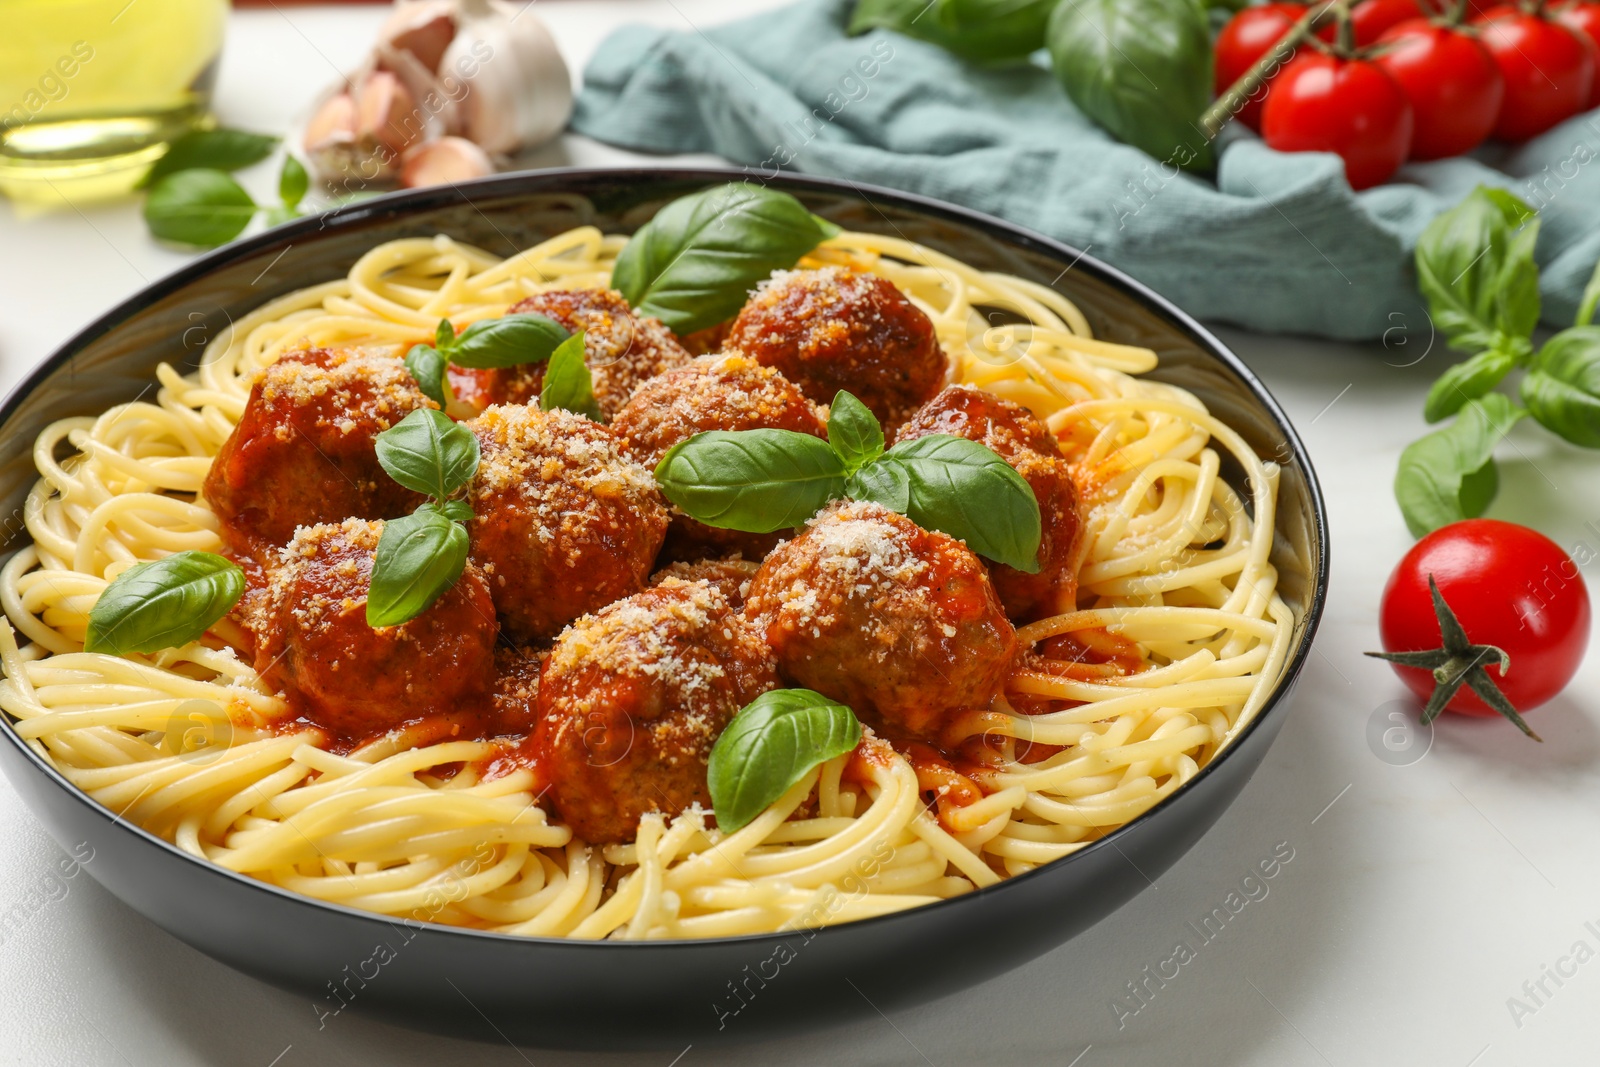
(1277, 243)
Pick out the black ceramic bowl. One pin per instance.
(668, 994)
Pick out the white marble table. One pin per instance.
(1420, 897)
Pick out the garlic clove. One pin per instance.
(437, 105)
(421, 28)
(444, 162)
(387, 116)
(334, 122)
(330, 140)
(518, 89)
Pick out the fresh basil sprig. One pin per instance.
(421, 555)
(1450, 475)
(969, 492)
(1475, 265)
(854, 432)
(205, 207)
(983, 30)
(507, 341)
(220, 149)
(1141, 69)
(568, 383)
(694, 263)
(763, 480)
(488, 344)
(769, 746)
(429, 452)
(164, 603)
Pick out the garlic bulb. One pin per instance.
(481, 70)
(520, 93)
(421, 28)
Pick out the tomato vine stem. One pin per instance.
(1228, 104)
(1458, 663)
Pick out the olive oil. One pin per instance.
(91, 91)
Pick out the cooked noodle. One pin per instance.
(182, 742)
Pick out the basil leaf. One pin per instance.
(428, 452)
(1590, 299)
(163, 604)
(964, 489)
(198, 207)
(457, 511)
(769, 746)
(981, 30)
(293, 182)
(751, 480)
(1516, 288)
(1477, 271)
(427, 366)
(1562, 389)
(211, 150)
(693, 265)
(419, 558)
(1141, 69)
(444, 338)
(1450, 475)
(1466, 381)
(854, 432)
(505, 342)
(882, 483)
(567, 382)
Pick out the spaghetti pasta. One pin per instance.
(1174, 577)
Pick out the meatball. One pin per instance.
(516, 687)
(732, 576)
(899, 622)
(303, 451)
(1013, 433)
(354, 680)
(622, 349)
(836, 328)
(634, 697)
(565, 521)
(723, 392)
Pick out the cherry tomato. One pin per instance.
(1351, 107)
(1509, 586)
(1585, 18)
(1371, 19)
(1452, 81)
(1549, 71)
(1247, 37)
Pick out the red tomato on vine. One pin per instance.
(1484, 617)
(1585, 19)
(1350, 107)
(1452, 81)
(1549, 70)
(1247, 37)
(1373, 18)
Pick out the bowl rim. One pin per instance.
(407, 202)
